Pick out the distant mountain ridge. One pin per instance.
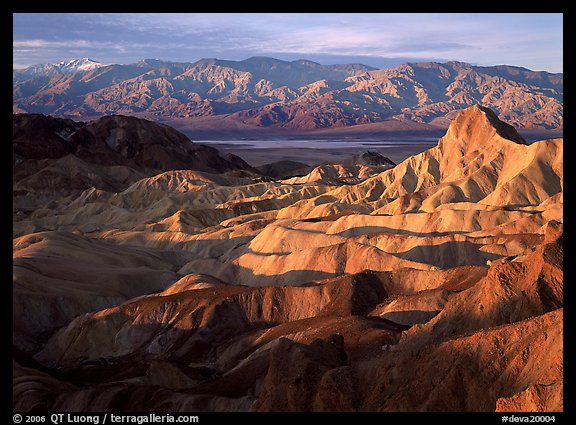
(63, 67)
(302, 94)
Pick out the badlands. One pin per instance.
(154, 274)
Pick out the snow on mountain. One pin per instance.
(75, 65)
(48, 69)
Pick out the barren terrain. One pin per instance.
(216, 96)
(156, 274)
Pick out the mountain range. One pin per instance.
(298, 95)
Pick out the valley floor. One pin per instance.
(257, 153)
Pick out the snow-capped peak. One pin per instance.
(75, 65)
(49, 69)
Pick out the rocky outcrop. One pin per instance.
(115, 140)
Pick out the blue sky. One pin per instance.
(530, 40)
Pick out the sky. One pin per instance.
(381, 40)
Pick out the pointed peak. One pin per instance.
(478, 124)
